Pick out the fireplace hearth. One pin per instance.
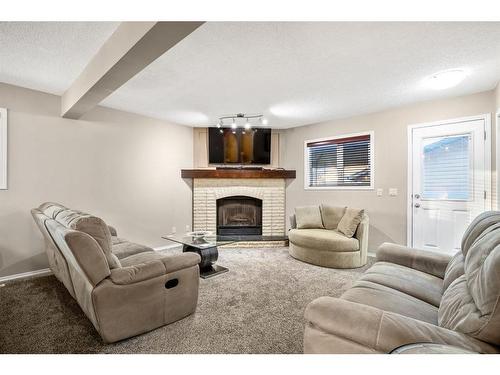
(239, 215)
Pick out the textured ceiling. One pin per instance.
(48, 56)
(294, 73)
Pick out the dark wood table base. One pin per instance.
(209, 256)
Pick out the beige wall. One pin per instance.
(122, 167)
(387, 214)
(200, 149)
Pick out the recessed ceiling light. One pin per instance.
(445, 79)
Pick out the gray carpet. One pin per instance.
(257, 307)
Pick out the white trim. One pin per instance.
(3, 149)
(25, 275)
(497, 152)
(487, 163)
(371, 133)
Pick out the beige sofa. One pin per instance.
(125, 289)
(327, 246)
(411, 296)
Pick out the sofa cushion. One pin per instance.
(454, 270)
(331, 215)
(51, 209)
(421, 285)
(308, 217)
(139, 258)
(350, 221)
(94, 227)
(471, 304)
(392, 300)
(123, 248)
(323, 239)
(477, 227)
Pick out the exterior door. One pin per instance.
(448, 182)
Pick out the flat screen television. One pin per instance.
(239, 146)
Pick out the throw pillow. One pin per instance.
(350, 221)
(308, 217)
(331, 215)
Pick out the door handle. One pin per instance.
(417, 196)
(417, 205)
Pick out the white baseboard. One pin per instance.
(25, 275)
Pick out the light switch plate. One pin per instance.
(393, 192)
(380, 192)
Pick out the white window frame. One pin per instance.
(371, 133)
(3, 153)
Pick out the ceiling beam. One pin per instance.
(132, 47)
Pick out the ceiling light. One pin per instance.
(247, 125)
(263, 121)
(219, 124)
(445, 79)
(233, 125)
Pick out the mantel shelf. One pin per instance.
(238, 173)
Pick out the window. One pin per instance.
(3, 148)
(344, 162)
(447, 168)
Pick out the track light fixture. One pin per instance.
(237, 116)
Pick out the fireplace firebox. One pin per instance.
(239, 215)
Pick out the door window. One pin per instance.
(446, 168)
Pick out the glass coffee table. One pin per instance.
(206, 247)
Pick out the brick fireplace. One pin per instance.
(270, 192)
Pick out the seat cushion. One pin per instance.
(123, 248)
(331, 215)
(323, 239)
(421, 285)
(141, 258)
(392, 300)
(308, 217)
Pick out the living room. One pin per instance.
(249, 187)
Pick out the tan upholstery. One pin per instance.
(129, 299)
(350, 221)
(331, 215)
(322, 239)
(329, 247)
(308, 217)
(411, 296)
(418, 284)
(123, 248)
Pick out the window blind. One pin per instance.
(340, 162)
(446, 168)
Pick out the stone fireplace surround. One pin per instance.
(271, 191)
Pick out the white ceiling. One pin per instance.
(49, 56)
(294, 73)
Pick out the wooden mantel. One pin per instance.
(237, 173)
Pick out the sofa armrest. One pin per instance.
(430, 262)
(151, 269)
(113, 231)
(335, 325)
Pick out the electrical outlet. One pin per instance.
(393, 192)
(174, 230)
(188, 228)
(380, 192)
